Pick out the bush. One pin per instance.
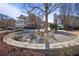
(53, 26)
(37, 26)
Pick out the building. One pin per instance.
(11, 23)
(20, 22)
(2, 23)
(69, 15)
(6, 21)
(31, 21)
(72, 21)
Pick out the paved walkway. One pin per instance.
(2, 31)
(6, 31)
(76, 32)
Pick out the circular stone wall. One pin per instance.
(64, 39)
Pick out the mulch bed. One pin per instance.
(8, 50)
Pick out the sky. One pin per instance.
(10, 10)
(15, 10)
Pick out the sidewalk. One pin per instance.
(2, 31)
(76, 32)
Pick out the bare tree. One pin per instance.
(45, 9)
(65, 11)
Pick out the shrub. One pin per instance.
(37, 26)
(53, 26)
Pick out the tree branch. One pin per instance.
(53, 9)
(52, 6)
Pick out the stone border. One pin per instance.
(8, 39)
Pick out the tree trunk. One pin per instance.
(46, 27)
(46, 34)
(64, 21)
